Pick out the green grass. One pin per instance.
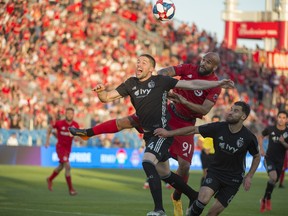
(105, 192)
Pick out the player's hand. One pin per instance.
(177, 98)
(99, 88)
(262, 152)
(161, 132)
(281, 139)
(47, 144)
(226, 83)
(247, 182)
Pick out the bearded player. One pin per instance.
(185, 107)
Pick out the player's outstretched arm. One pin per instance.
(104, 95)
(161, 132)
(204, 84)
(168, 71)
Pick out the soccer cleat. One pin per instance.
(268, 205)
(72, 192)
(156, 213)
(49, 183)
(146, 185)
(78, 132)
(262, 205)
(178, 211)
(281, 186)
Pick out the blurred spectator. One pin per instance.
(12, 140)
(54, 52)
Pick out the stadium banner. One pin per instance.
(20, 155)
(257, 30)
(117, 158)
(83, 157)
(272, 59)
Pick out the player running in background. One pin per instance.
(63, 148)
(232, 140)
(274, 156)
(149, 97)
(188, 105)
(207, 150)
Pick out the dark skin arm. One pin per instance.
(202, 109)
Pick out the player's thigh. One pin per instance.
(158, 146)
(273, 169)
(205, 194)
(163, 168)
(63, 154)
(183, 147)
(227, 193)
(216, 208)
(125, 122)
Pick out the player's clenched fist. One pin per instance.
(99, 88)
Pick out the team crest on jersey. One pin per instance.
(63, 128)
(208, 180)
(198, 93)
(151, 84)
(240, 142)
(285, 135)
(222, 145)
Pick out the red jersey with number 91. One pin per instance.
(190, 72)
(63, 134)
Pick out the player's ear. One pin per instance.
(244, 116)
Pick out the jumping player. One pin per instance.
(149, 97)
(186, 107)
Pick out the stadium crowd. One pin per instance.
(54, 52)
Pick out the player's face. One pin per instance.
(207, 65)
(69, 115)
(235, 115)
(281, 119)
(144, 68)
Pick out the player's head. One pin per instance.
(215, 118)
(282, 118)
(145, 66)
(69, 114)
(209, 63)
(239, 112)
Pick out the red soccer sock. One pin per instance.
(53, 175)
(106, 127)
(69, 182)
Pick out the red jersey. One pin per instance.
(63, 134)
(190, 72)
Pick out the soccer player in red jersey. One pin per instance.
(186, 107)
(63, 148)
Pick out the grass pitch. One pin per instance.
(110, 192)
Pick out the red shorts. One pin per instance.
(63, 153)
(182, 146)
